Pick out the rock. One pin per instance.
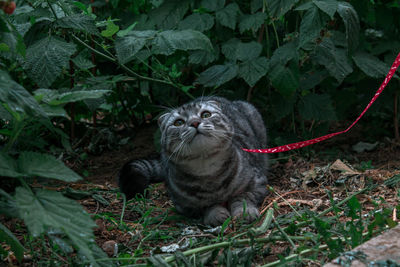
(110, 247)
(383, 249)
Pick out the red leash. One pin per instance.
(297, 145)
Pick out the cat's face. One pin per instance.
(194, 129)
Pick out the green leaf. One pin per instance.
(255, 5)
(44, 165)
(316, 107)
(4, 47)
(311, 25)
(126, 31)
(169, 13)
(54, 98)
(17, 98)
(234, 50)
(284, 77)
(351, 22)
(198, 22)
(127, 46)
(327, 6)
(228, 15)
(202, 57)
(278, 8)
(55, 111)
(45, 210)
(252, 22)
(284, 53)
(82, 62)
(111, 29)
(217, 75)
(371, 65)
(46, 58)
(9, 238)
(212, 5)
(334, 59)
(253, 70)
(80, 22)
(8, 166)
(167, 42)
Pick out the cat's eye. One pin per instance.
(179, 122)
(205, 114)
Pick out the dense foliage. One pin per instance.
(68, 66)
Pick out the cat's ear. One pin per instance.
(162, 118)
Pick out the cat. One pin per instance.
(206, 172)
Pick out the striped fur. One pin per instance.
(206, 171)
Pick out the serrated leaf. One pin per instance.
(212, 5)
(80, 22)
(9, 238)
(8, 166)
(198, 22)
(44, 165)
(44, 210)
(167, 42)
(316, 107)
(228, 15)
(127, 46)
(255, 5)
(252, 22)
(285, 78)
(284, 53)
(278, 8)
(234, 50)
(311, 25)
(327, 6)
(371, 65)
(169, 14)
(333, 58)
(17, 98)
(54, 98)
(217, 75)
(253, 70)
(46, 58)
(311, 79)
(351, 22)
(201, 57)
(82, 62)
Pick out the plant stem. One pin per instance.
(285, 235)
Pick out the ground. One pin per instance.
(298, 185)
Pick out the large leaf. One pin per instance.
(44, 165)
(217, 75)
(167, 42)
(252, 70)
(311, 25)
(202, 57)
(17, 98)
(127, 46)
(45, 210)
(334, 59)
(251, 22)
(316, 107)
(8, 166)
(279, 8)
(328, 6)
(198, 22)
(169, 14)
(351, 22)
(212, 5)
(234, 50)
(46, 58)
(371, 65)
(52, 97)
(285, 53)
(284, 77)
(228, 15)
(80, 22)
(10, 239)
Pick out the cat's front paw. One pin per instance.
(250, 213)
(216, 215)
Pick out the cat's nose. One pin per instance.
(195, 124)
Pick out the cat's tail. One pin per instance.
(136, 175)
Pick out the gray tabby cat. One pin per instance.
(202, 162)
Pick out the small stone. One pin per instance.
(110, 247)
